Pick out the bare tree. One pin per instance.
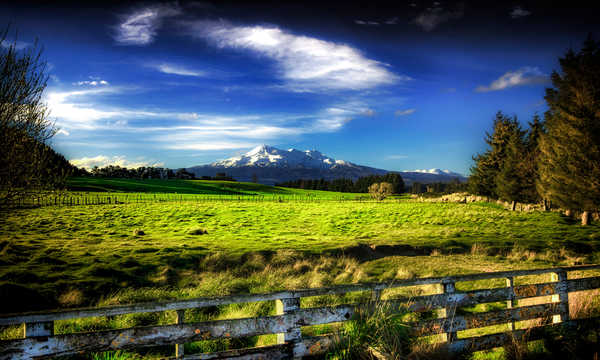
(25, 127)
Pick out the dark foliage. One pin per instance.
(361, 185)
(569, 167)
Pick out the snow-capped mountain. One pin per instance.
(271, 165)
(268, 156)
(437, 172)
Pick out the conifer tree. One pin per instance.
(529, 162)
(569, 165)
(487, 165)
(510, 180)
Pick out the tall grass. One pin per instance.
(376, 329)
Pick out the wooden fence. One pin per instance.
(40, 341)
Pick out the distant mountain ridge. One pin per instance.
(271, 165)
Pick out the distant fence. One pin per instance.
(105, 198)
(40, 341)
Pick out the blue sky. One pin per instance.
(178, 84)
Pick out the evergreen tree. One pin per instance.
(510, 178)
(487, 165)
(569, 165)
(530, 160)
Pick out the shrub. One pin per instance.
(197, 231)
(380, 191)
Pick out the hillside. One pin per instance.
(201, 187)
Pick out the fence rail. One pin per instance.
(40, 341)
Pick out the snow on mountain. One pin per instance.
(271, 165)
(436, 171)
(268, 156)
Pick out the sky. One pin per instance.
(398, 86)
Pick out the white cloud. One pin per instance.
(518, 12)
(306, 63)
(404, 112)
(63, 132)
(523, 76)
(177, 70)
(71, 113)
(19, 45)
(368, 112)
(140, 27)
(91, 83)
(436, 15)
(206, 132)
(364, 22)
(120, 160)
(396, 157)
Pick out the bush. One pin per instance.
(380, 191)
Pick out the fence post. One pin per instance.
(450, 310)
(511, 303)
(561, 297)
(179, 320)
(376, 295)
(293, 336)
(45, 328)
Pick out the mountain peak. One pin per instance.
(260, 149)
(271, 165)
(269, 156)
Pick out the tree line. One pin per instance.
(555, 160)
(361, 185)
(438, 187)
(142, 172)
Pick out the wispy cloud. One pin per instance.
(397, 157)
(82, 110)
(436, 15)
(227, 133)
(523, 76)
(365, 22)
(519, 12)
(306, 63)
(71, 112)
(140, 26)
(404, 112)
(175, 69)
(119, 160)
(19, 45)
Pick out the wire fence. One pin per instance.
(85, 199)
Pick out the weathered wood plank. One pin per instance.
(583, 284)
(169, 334)
(476, 320)
(274, 352)
(314, 345)
(39, 329)
(474, 297)
(491, 341)
(450, 310)
(45, 316)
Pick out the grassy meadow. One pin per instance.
(182, 247)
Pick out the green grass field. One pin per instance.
(82, 255)
(197, 187)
